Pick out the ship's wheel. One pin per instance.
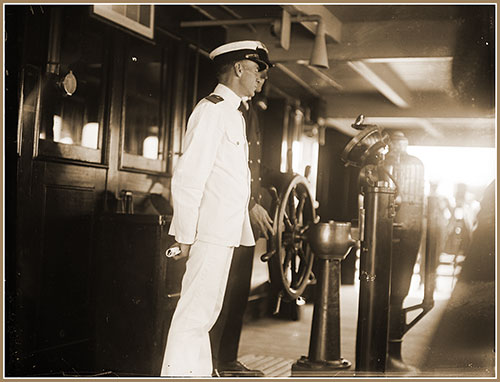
(289, 256)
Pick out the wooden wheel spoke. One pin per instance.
(289, 252)
(303, 229)
(300, 207)
(288, 223)
(293, 264)
(291, 206)
(298, 275)
(295, 275)
(301, 255)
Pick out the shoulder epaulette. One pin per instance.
(214, 98)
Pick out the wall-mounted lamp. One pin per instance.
(319, 55)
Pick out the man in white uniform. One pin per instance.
(211, 192)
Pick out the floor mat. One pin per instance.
(270, 366)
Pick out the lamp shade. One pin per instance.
(319, 55)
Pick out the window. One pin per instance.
(143, 121)
(71, 114)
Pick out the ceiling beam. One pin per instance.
(385, 81)
(325, 77)
(219, 13)
(392, 39)
(298, 80)
(341, 124)
(400, 123)
(433, 128)
(425, 105)
(333, 26)
(408, 38)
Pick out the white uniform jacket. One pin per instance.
(211, 182)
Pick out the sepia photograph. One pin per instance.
(250, 190)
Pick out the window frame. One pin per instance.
(138, 163)
(46, 149)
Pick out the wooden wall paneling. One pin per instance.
(142, 185)
(65, 199)
(138, 289)
(335, 195)
(28, 41)
(178, 118)
(114, 119)
(12, 131)
(338, 191)
(21, 289)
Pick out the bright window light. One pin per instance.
(447, 166)
(66, 140)
(284, 150)
(57, 128)
(90, 135)
(296, 156)
(150, 148)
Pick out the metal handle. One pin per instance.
(266, 256)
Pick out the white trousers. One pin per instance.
(188, 351)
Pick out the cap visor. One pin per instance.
(262, 64)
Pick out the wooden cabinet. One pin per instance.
(136, 290)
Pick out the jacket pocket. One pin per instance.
(234, 137)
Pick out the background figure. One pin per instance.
(462, 223)
(465, 336)
(441, 222)
(439, 215)
(408, 172)
(225, 335)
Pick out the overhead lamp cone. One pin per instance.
(319, 54)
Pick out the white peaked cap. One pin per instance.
(237, 45)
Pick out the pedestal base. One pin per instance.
(306, 367)
(395, 364)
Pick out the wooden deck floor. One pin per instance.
(273, 345)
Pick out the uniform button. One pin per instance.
(252, 198)
(251, 180)
(251, 161)
(249, 143)
(258, 143)
(258, 160)
(260, 178)
(237, 142)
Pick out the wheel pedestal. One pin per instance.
(305, 367)
(324, 348)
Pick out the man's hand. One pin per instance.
(260, 218)
(184, 251)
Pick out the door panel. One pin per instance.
(65, 198)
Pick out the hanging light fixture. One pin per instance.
(319, 54)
